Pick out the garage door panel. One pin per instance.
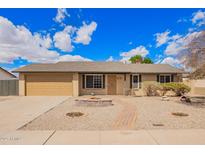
(49, 85)
(49, 78)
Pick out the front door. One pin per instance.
(135, 81)
(111, 84)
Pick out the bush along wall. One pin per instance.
(157, 89)
(178, 88)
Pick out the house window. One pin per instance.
(135, 81)
(165, 78)
(94, 81)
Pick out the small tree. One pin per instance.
(136, 59)
(139, 59)
(147, 61)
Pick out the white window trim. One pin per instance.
(170, 76)
(93, 80)
(138, 85)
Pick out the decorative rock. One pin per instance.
(92, 94)
(185, 99)
(193, 99)
(158, 124)
(165, 98)
(94, 102)
(159, 93)
(170, 93)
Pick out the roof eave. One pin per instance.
(16, 71)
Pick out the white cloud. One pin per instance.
(173, 48)
(62, 39)
(85, 32)
(162, 38)
(18, 42)
(175, 37)
(198, 18)
(130, 43)
(44, 41)
(61, 15)
(158, 59)
(110, 59)
(184, 48)
(73, 58)
(182, 20)
(178, 45)
(191, 30)
(140, 50)
(171, 61)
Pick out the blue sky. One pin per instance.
(51, 35)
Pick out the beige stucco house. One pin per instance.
(84, 78)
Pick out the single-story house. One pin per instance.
(5, 75)
(84, 78)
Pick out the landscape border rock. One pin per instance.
(94, 102)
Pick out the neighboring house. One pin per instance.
(8, 83)
(5, 75)
(84, 78)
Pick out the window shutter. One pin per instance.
(83, 81)
(157, 77)
(172, 78)
(130, 81)
(103, 80)
(140, 81)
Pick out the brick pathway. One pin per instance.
(126, 119)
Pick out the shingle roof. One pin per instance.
(103, 67)
(10, 75)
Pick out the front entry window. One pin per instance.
(165, 78)
(135, 81)
(94, 81)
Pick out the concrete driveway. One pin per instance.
(17, 111)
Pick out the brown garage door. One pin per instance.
(50, 84)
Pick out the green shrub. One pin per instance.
(152, 88)
(179, 88)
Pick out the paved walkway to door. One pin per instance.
(126, 119)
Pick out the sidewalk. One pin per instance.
(148, 137)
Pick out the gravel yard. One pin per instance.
(150, 111)
(94, 118)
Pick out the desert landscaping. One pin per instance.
(125, 113)
(125, 120)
